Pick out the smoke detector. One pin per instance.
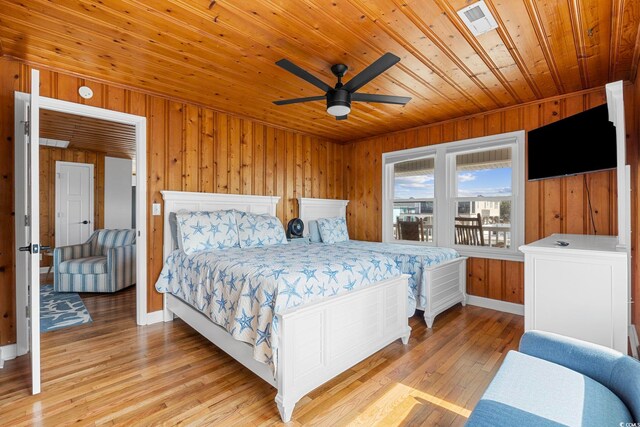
(478, 18)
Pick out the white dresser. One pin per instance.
(580, 290)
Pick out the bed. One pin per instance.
(313, 344)
(437, 276)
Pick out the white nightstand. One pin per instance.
(299, 241)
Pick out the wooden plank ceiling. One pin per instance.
(221, 53)
(85, 133)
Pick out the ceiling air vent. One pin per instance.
(478, 18)
(54, 143)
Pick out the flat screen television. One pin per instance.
(585, 142)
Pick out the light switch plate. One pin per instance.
(156, 209)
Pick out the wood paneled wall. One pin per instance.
(189, 148)
(48, 158)
(552, 205)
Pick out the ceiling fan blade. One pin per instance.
(385, 62)
(299, 100)
(342, 117)
(385, 99)
(304, 75)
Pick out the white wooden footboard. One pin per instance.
(446, 286)
(317, 341)
(320, 341)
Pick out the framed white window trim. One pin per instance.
(416, 200)
(444, 203)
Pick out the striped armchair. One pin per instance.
(105, 263)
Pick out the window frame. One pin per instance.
(445, 198)
(423, 199)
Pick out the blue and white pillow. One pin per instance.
(333, 230)
(205, 231)
(259, 230)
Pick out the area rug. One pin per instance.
(61, 309)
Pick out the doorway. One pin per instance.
(23, 274)
(74, 206)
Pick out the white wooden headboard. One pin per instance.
(182, 200)
(310, 209)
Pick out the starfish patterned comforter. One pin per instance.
(242, 289)
(410, 259)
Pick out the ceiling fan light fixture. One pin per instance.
(339, 97)
(338, 110)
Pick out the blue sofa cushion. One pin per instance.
(616, 371)
(88, 265)
(528, 391)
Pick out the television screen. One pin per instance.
(585, 142)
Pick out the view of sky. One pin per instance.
(471, 183)
(484, 182)
(414, 187)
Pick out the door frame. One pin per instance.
(140, 124)
(92, 214)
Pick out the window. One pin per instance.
(465, 194)
(413, 190)
(482, 197)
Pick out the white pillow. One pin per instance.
(203, 231)
(259, 230)
(333, 230)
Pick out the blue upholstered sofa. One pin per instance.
(105, 263)
(554, 380)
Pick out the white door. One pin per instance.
(27, 187)
(74, 203)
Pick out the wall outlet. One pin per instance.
(156, 209)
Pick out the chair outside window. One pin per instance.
(105, 263)
(410, 230)
(468, 231)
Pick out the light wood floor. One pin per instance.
(115, 373)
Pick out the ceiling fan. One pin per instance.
(339, 97)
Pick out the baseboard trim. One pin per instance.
(8, 352)
(155, 317)
(494, 304)
(633, 340)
